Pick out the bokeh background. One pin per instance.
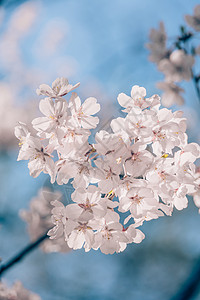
(102, 45)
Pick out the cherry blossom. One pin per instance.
(138, 200)
(55, 115)
(176, 57)
(137, 99)
(39, 158)
(178, 66)
(144, 167)
(194, 21)
(109, 236)
(139, 161)
(157, 44)
(89, 202)
(16, 292)
(60, 87)
(83, 113)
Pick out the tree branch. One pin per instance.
(19, 256)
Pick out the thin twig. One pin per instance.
(19, 256)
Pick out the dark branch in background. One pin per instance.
(190, 286)
(181, 44)
(196, 81)
(19, 256)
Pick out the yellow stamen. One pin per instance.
(119, 160)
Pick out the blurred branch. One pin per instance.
(190, 286)
(19, 256)
(196, 81)
(184, 39)
(11, 3)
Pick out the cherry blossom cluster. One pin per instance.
(140, 171)
(16, 292)
(176, 60)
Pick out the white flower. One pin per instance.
(109, 175)
(161, 172)
(168, 132)
(82, 113)
(55, 115)
(60, 87)
(90, 204)
(81, 235)
(79, 169)
(39, 159)
(139, 126)
(139, 160)
(179, 192)
(63, 220)
(137, 100)
(112, 145)
(188, 154)
(134, 235)
(73, 137)
(149, 215)
(177, 67)
(109, 236)
(23, 134)
(138, 200)
(58, 219)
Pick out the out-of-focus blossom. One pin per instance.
(157, 46)
(171, 93)
(177, 63)
(16, 292)
(10, 113)
(197, 50)
(178, 66)
(20, 28)
(194, 21)
(38, 219)
(19, 25)
(52, 35)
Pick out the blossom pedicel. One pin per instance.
(144, 167)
